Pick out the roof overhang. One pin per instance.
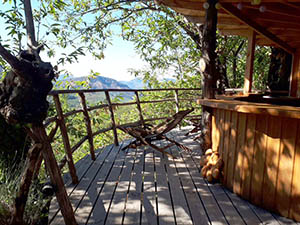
(276, 22)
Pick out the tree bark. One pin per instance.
(209, 70)
(22, 195)
(31, 40)
(279, 70)
(234, 64)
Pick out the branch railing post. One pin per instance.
(27, 177)
(112, 117)
(176, 100)
(88, 125)
(55, 175)
(138, 103)
(65, 137)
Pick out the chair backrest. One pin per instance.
(172, 122)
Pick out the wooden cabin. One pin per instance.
(259, 142)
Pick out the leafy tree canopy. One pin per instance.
(167, 41)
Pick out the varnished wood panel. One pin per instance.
(261, 155)
(252, 107)
(272, 160)
(240, 151)
(221, 128)
(215, 130)
(285, 170)
(248, 156)
(295, 193)
(226, 143)
(259, 159)
(232, 150)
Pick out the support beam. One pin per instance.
(295, 76)
(249, 64)
(259, 29)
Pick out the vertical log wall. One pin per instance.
(261, 156)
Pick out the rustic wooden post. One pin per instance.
(88, 124)
(65, 137)
(112, 117)
(249, 63)
(138, 103)
(295, 76)
(55, 176)
(176, 100)
(208, 67)
(177, 103)
(28, 175)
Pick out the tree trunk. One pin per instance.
(209, 70)
(279, 70)
(234, 64)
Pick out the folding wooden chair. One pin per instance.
(145, 135)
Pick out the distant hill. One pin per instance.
(134, 84)
(98, 82)
(101, 82)
(139, 84)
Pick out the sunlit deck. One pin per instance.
(142, 186)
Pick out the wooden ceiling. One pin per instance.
(277, 22)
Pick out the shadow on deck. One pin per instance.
(142, 186)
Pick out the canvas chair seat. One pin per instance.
(145, 135)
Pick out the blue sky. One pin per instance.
(118, 59)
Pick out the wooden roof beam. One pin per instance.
(259, 29)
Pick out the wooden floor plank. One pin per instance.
(243, 208)
(181, 208)
(78, 191)
(149, 215)
(145, 187)
(165, 208)
(81, 168)
(118, 203)
(212, 208)
(92, 204)
(133, 205)
(197, 209)
(264, 216)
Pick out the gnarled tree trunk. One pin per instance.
(280, 70)
(209, 70)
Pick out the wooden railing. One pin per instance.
(43, 150)
(179, 96)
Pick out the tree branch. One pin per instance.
(112, 6)
(31, 42)
(9, 58)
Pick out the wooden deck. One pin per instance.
(142, 186)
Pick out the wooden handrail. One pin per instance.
(47, 152)
(179, 95)
(56, 92)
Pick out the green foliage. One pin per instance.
(14, 146)
(163, 38)
(9, 185)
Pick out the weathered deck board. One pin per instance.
(145, 187)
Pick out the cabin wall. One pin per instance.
(261, 156)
